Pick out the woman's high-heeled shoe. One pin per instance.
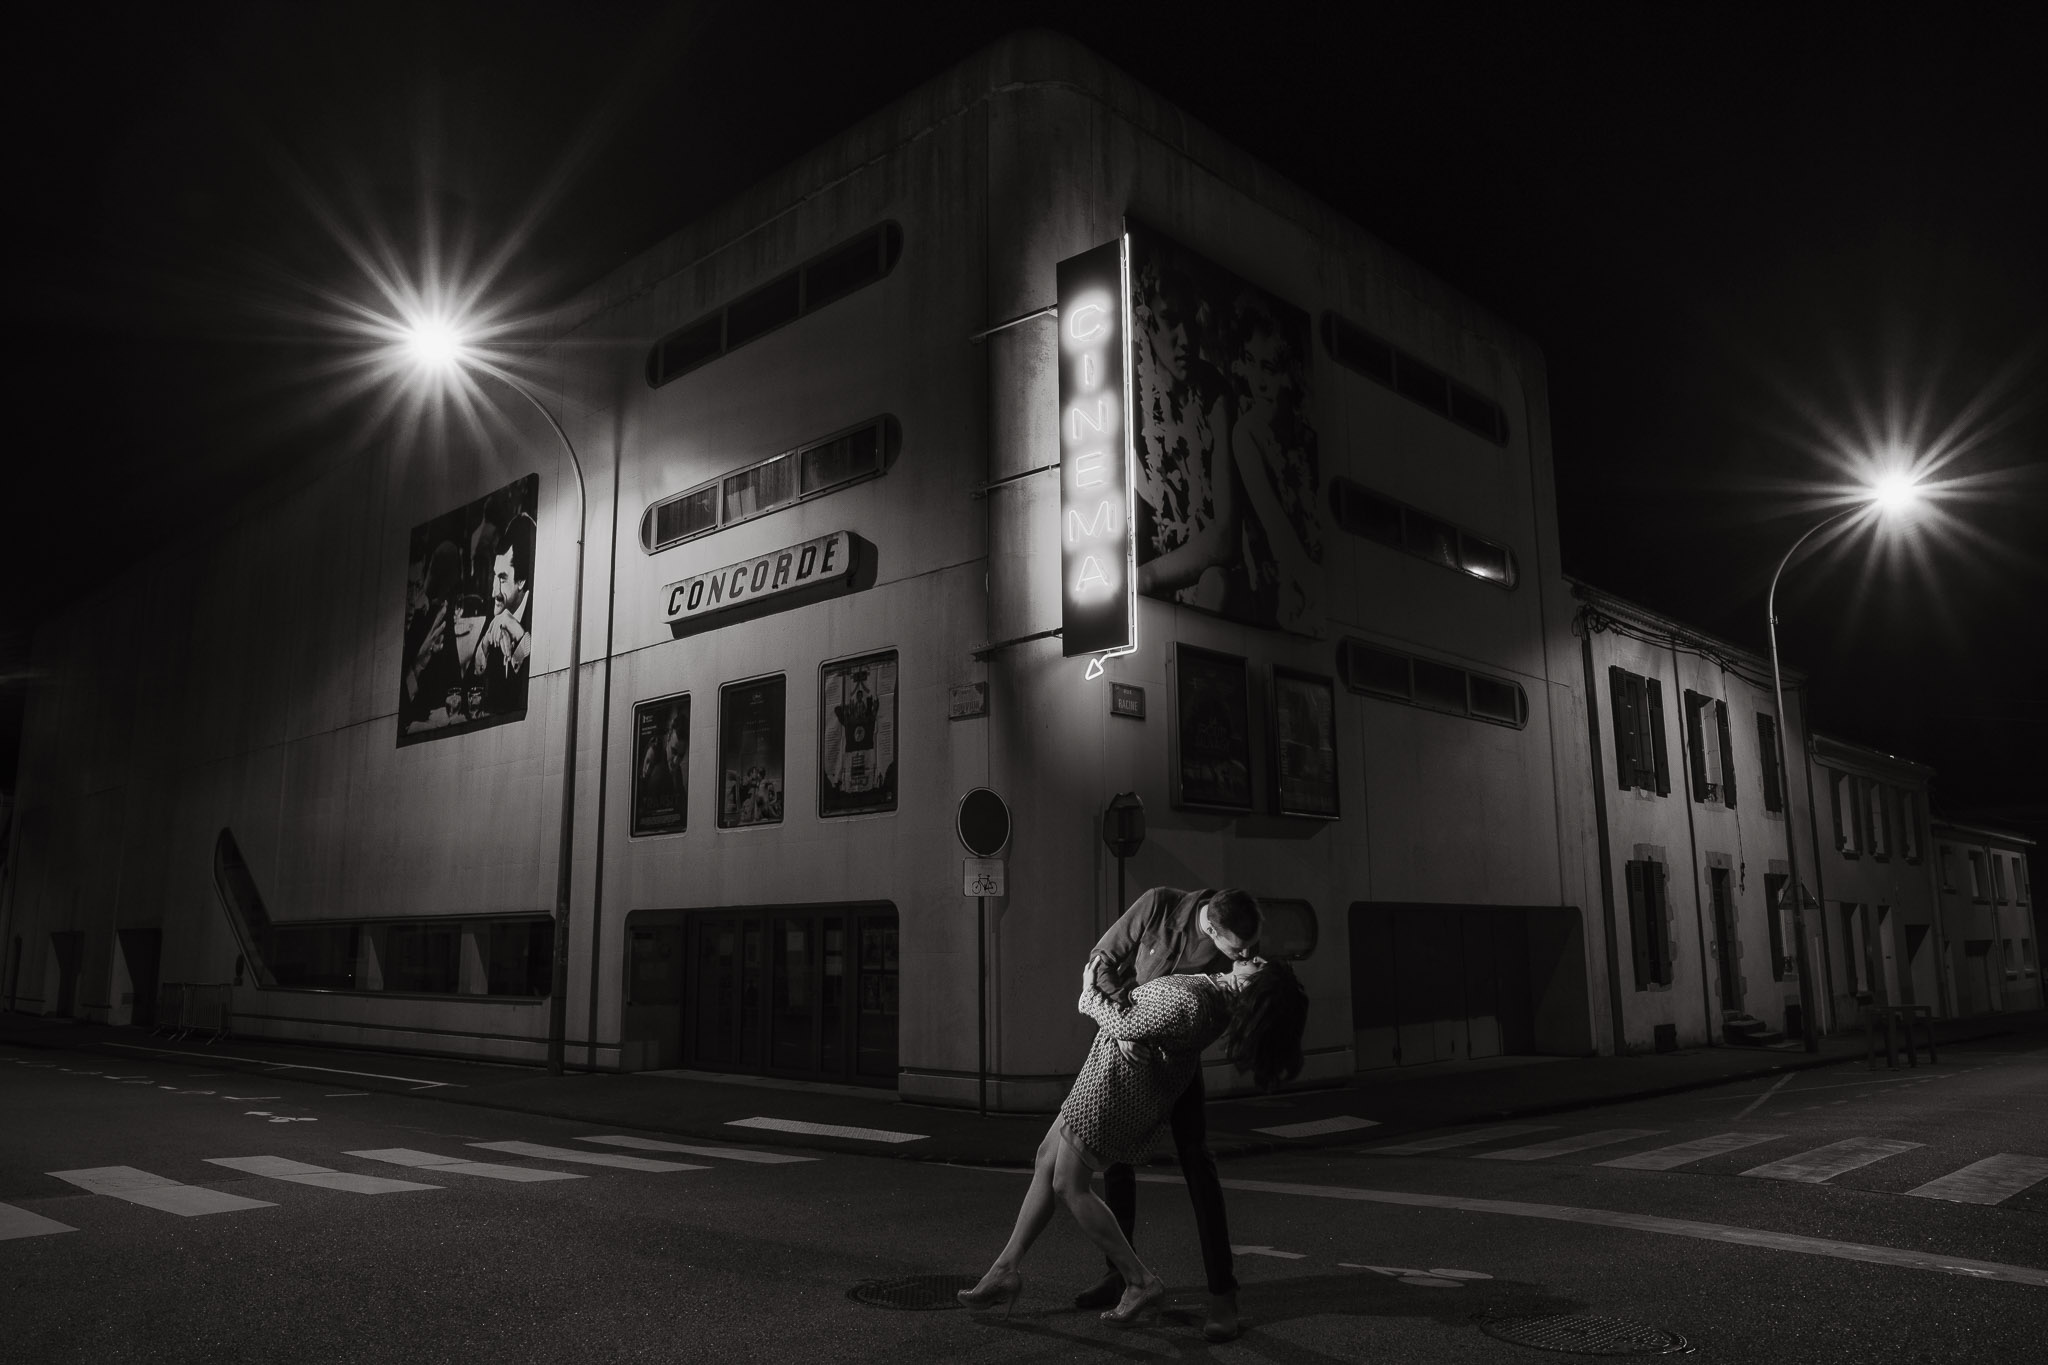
(998, 1289)
(1139, 1300)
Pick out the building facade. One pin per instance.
(1988, 918)
(1696, 813)
(855, 545)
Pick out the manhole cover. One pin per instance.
(914, 1293)
(1586, 1335)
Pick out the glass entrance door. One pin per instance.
(802, 992)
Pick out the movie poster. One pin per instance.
(857, 735)
(1304, 745)
(661, 765)
(751, 723)
(468, 640)
(1228, 494)
(1213, 752)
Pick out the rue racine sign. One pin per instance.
(1098, 612)
(816, 569)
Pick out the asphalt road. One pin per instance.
(1773, 1250)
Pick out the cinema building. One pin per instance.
(1027, 436)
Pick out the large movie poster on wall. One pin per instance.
(857, 735)
(469, 616)
(661, 767)
(1228, 505)
(751, 736)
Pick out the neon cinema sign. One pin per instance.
(1098, 576)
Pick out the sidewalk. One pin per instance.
(839, 1118)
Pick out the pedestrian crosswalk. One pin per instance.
(1989, 1180)
(162, 1194)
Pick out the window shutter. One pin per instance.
(1695, 742)
(1624, 727)
(1654, 714)
(1660, 916)
(1727, 755)
(1767, 745)
(1835, 783)
(1638, 925)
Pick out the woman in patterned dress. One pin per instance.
(1142, 1058)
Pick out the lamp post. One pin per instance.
(1892, 494)
(437, 346)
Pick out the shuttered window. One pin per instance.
(1773, 762)
(1712, 752)
(1640, 757)
(1774, 897)
(1649, 923)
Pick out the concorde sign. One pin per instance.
(789, 577)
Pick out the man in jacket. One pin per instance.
(1169, 931)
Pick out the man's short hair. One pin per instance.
(517, 540)
(1235, 912)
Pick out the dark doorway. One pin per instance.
(69, 948)
(141, 948)
(1727, 949)
(1439, 983)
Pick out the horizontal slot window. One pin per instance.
(817, 282)
(1376, 517)
(782, 480)
(1413, 378)
(1391, 675)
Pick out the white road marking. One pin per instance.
(1424, 1279)
(1565, 1146)
(16, 1222)
(1685, 1153)
(346, 1094)
(455, 1165)
(827, 1130)
(155, 1192)
(414, 1081)
(1761, 1098)
(1643, 1222)
(1993, 1180)
(1267, 1251)
(299, 1173)
(622, 1163)
(1343, 1123)
(640, 1144)
(1438, 1144)
(1825, 1163)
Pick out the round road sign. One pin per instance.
(983, 823)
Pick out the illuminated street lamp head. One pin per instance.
(434, 345)
(1894, 494)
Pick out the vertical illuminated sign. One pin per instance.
(1098, 591)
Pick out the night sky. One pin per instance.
(1743, 236)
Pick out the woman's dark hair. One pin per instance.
(1264, 1036)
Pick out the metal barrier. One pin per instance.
(1876, 1016)
(184, 1008)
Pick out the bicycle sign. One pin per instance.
(983, 877)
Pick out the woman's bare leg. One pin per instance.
(1036, 1210)
(1072, 1181)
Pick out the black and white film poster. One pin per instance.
(1213, 752)
(751, 719)
(469, 616)
(857, 740)
(1228, 486)
(661, 765)
(1304, 744)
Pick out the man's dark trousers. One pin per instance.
(1191, 1141)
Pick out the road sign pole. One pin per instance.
(981, 991)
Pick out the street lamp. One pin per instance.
(1893, 494)
(436, 345)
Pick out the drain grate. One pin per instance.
(1586, 1335)
(913, 1293)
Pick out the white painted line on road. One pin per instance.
(299, 1173)
(155, 1192)
(1643, 1222)
(1993, 1180)
(346, 1094)
(455, 1165)
(1766, 1095)
(1267, 1251)
(16, 1222)
(1438, 1144)
(1565, 1146)
(622, 1163)
(1825, 1163)
(414, 1081)
(1685, 1153)
(640, 1144)
(1343, 1123)
(827, 1130)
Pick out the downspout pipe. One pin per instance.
(1585, 632)
(1709, 970)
